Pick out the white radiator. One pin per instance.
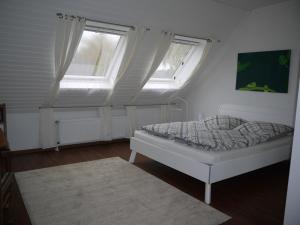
(73, 131)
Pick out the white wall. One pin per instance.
(23, 128)
(292, 216)
(270, 28)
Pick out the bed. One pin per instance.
(211, 167)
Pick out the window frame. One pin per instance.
(171, 83)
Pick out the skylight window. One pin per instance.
(178, 65)
(97, 57)
(94, 54)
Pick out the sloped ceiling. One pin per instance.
(249, 5)
(27, 42)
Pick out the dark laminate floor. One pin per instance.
(256, 198)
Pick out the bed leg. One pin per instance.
(132, 156)
(207, 193)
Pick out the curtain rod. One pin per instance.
(96, 106)
(114, 24)
(98, 21)
(201, 38)
(147, 28)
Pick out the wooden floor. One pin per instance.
(256, 198)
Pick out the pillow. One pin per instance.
(264, 129)
(167, 130)
(222, 122)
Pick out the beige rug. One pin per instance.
(108, 192)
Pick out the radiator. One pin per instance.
(73, 131)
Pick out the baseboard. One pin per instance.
(63, 147)
(93, 143)
(29, 151)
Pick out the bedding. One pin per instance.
(222, 122)
(197, 134)
(171, 130)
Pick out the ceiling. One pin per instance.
(248, 5)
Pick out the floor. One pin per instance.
(256, 198)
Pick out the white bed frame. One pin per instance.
(225, 169)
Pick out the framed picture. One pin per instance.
(263, 71)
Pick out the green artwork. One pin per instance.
(263, 71)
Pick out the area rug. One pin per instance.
(108, 192)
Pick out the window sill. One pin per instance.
(85, 82)
(160, 84)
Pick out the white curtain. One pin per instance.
(161, 50)
(162, 47)
(132, 39)
(106, 122)
(68, 34)
(164, 113)
(131, 117)
(47, 133)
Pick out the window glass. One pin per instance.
(172, 60)
(94, 54)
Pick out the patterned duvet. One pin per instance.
(220, 133)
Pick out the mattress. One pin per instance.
(213, 157)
